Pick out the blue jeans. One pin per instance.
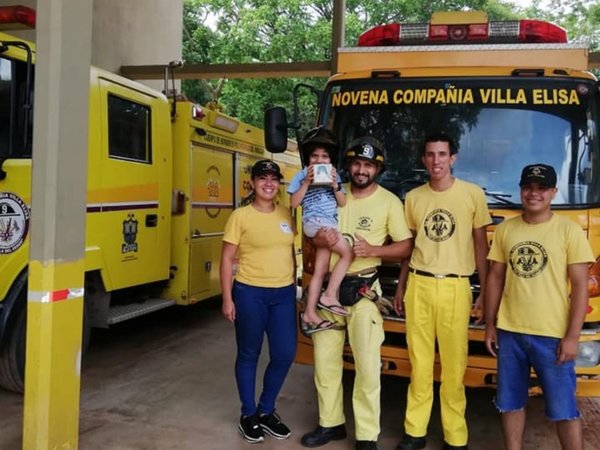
(259, 310)
(517, 354)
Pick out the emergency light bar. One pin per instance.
(452, 32)
(16, 17)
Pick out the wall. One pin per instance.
(136, 32)
(130, 32)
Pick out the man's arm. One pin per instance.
(481, 250)
(401, 288)
(578, 276)
(493, 295)
(326, 237)
(394, 251)
(398, 301)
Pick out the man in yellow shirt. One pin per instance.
(534, 257)
(371, 215)
(448, 218)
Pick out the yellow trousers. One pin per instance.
(365, 335)
(437, 308)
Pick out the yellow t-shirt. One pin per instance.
(535, 299)
(374, 218)
(444, 224)
(265, 242)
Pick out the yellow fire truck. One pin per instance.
(163, 178)
(510, 93)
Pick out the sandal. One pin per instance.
(338, 310)
(311, 328)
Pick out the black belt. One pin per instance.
(435, 275)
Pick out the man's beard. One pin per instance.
(362, 184)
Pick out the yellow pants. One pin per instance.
(365, 335)
(437, 308)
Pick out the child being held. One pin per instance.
(319, 210)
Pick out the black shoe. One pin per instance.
(412, 443)
(322, 435)
(454, 447)
(250, 429)
(272, 424)
(366, 445)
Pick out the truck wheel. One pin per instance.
(12, 357)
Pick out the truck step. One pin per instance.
(120, 313)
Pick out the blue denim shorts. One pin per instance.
(517, 354)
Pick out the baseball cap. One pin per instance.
(542, 174)
(366, 147)
(265, 166)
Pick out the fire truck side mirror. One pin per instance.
(276, 126)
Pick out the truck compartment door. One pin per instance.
(212, 203)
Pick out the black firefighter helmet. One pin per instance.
(319, 137)
(366, 147)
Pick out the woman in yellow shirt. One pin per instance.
(260, 298)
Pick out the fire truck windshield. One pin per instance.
(499, 125)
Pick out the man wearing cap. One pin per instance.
(370, 216)
(448, 218)
(531, 320)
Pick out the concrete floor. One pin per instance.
(165, 381)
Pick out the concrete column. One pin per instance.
(337, 32)
(55, 298)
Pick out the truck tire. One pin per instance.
(12, 356)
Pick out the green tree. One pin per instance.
(581, 19)
(197, 39)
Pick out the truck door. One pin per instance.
(131, 209)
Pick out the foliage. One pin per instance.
(250, 31)
(581, 19)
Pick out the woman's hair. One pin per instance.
(248, 199)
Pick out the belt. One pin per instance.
(365, 273)
(437, 276)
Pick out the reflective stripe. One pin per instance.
(454, 48)
(54, 296)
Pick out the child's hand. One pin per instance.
(334, 183)
(310, 175)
